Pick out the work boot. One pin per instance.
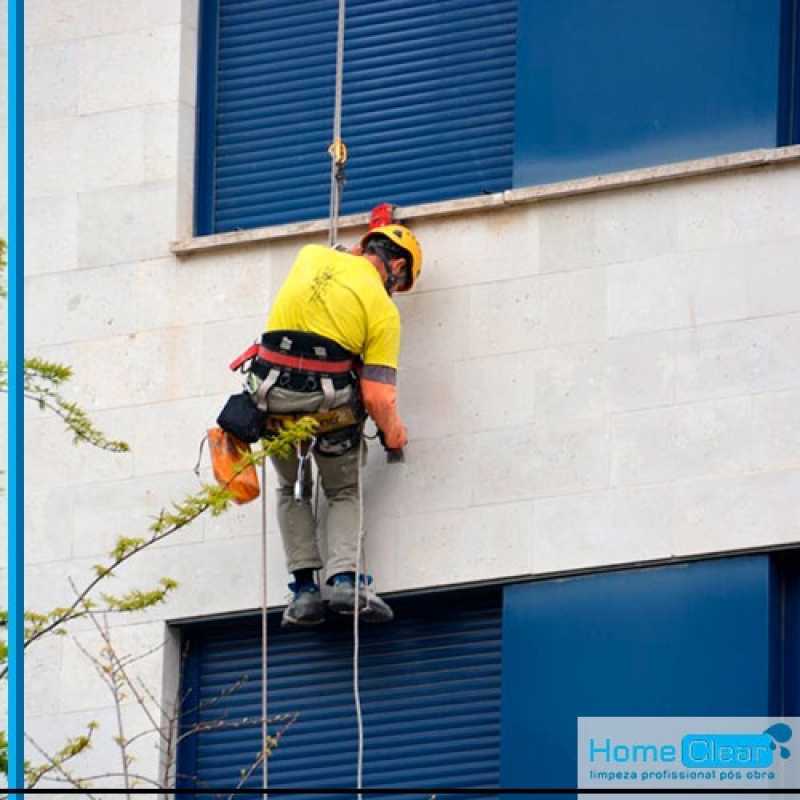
(305, 607)
(371, 607)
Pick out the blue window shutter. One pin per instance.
(430, 690)
(428, 105)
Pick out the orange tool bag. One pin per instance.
(226, 460)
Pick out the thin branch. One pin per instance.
(211, 498)
(57, 764)
(92, 437)
(105, 775)
(117, 665)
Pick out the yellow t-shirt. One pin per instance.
(339, 296)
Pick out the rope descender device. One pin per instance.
(338, 152)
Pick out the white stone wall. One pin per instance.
(587, 381)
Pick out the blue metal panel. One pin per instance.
(430, 687)
(607, 85)
(789, 109)
(789, 634)
(681, 640)
(428, 105)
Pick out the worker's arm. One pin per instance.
(379, 391)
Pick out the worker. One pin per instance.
(334, 311)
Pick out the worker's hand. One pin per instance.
(397, 441)
(357, 250)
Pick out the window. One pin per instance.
(430, 689)
(452, 98)
(427, 114)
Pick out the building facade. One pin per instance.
(599, 369)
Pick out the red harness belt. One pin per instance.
(295, 362)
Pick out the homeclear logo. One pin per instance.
(687, 752)
(699, 750)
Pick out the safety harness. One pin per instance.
(302, 362)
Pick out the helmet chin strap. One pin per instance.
(391, 279)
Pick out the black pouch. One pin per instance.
(337, 443)
(242, 418)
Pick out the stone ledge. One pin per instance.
(510, 197)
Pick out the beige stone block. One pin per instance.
(434, 327)
(434, 477)
(189, 44)
(104, 512)
(51, 233)
(492, 392)
(776, 434)
(52, 460)
(496, 245)
(773, 278)
(57, 20)
(80, 304)
(641, 371)
(570, 383)
(204, 290)
(738, 208)
(125, 224)
(166, 436)
(51, 157)
(215, 577)
(539, 312)
(220, 343)
(129, 69)
(602, 528)
(735, 358)
(185, 170)
(476, 543)
(564, 457)
(51, 81)
(42, 671)
(610, 228)
(51, 732)
(648, 296)
(82, 688)
(435, 401)
(573, 308)
(717, 281)
(160, 143)
(665, 444)
(112, 149)
(48, 21)
(719, 515)
(49, 524)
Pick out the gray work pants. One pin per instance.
(339, 478)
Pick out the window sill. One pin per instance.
(532, 194)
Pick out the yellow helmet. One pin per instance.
(406, 240)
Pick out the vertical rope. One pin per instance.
(336, 164)
(264, 725)
(356, 642)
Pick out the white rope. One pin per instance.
(356, 687)
(264, 726)
(336, 165)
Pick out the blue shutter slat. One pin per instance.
(428, 106)
(430, 687)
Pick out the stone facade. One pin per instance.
(587, 381)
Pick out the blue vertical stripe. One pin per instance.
(789, 101)
(16, 216)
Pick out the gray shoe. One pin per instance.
(371, 607)
(305, 608)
